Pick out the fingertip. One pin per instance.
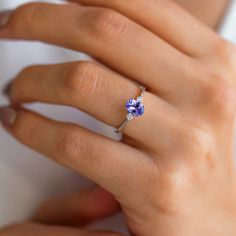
(8, 116)
(4, 18)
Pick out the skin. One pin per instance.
(183, 177)
(201, 9)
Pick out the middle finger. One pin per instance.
(106, 35)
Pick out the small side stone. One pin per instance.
(140, 99)
(130, 116)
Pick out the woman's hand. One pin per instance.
(173, 172)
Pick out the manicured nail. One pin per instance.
(7, 89)
(8, 115)
(4, 17)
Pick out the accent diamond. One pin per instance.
(130, 116)
(140, 99)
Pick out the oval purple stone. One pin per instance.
(135, 107)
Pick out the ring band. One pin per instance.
(134, 108)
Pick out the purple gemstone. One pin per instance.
(135, 107)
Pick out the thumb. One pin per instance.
(90, 204)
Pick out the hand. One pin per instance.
(172, 173)
(73, 210)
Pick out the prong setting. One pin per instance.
(135, 108)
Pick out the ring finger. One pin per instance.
(95, 90)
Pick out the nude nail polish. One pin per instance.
(4, 17)
(8, 115)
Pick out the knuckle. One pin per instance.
(191, 140)
(200, 141)
(71, 145)
(221, 96)
(174, 178)
(174, 183)
(81, 78)
(107, 25)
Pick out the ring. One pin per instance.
(134, 107)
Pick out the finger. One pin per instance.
(90, 204)
(106, 35)
(106, 162)
(95, 90)
(29, 229)
(84, 85)
(166, 19)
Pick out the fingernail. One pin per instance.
(4, 17)
(7, 89)
(8, 115)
